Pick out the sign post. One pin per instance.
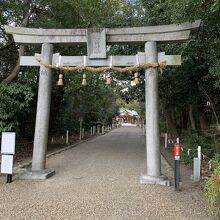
(7, 154)
(80, 128)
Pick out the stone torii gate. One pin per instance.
(96, 40)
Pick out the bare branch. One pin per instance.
(28, 13)
(6, 46)
(16, 69)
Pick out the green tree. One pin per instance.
(95, 102)
(14, 105)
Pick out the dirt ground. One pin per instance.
(99, 179)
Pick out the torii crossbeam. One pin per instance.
(97, 39)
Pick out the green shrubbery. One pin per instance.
(211, 148)
(193, 138)
(212, 189)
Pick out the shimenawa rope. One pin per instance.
(160, 65)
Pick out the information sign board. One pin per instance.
(8, 143)
(7, 164)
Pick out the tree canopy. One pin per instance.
(188, 94)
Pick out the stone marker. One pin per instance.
(196, 169)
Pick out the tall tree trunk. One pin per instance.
(171, 126)
(202, 119)
(185, 118)
(29, 9)
(212, 105)
(55, 104)
(191, 117)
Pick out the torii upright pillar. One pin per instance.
(152, 121)
(39, 170)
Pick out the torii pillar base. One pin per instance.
(156, 180)
(40, 175)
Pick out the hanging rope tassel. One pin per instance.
(84, 82)
(136, 78)
(60, 81)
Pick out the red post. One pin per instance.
(177, 150)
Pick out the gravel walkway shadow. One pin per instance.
(99, 179)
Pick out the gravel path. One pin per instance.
(99, 179)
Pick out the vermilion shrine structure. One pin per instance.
(97, 40)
